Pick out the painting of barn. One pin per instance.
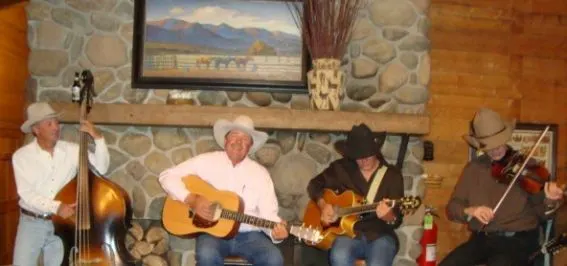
(222, 39)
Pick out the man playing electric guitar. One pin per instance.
(364, 171)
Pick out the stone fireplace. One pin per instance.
(388, 64)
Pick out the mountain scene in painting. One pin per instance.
(221, 37)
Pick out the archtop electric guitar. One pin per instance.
(348, 207)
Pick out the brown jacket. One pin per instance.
(519, 211)
(342, 175)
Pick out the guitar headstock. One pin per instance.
(409, 204)
(307, 234)
(556, 244)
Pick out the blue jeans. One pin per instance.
(256, 247)
(35, 235)
(380, 252)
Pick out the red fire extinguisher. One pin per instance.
(428, 240)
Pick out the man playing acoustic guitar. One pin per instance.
(364, 171)
(232, 170)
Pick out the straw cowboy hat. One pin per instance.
(361, 142)
(242, 123)
(37, 112)
(488, 130)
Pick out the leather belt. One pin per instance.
(35, 215)
(502, 233)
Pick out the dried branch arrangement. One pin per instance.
(326, 25)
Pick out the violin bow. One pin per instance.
(518, 172)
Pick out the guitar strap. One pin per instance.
(375, 184)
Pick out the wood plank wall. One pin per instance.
(14, 54)
(509, 55)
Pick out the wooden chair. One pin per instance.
(233, 260)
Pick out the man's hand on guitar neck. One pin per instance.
(280, 232)
(200, 205)
(384, 211)
(328, 214)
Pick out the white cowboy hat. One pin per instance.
(243, 123)
(488, 130)
(37, 112)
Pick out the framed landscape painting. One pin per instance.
(245, 45)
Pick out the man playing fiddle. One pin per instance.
(510, 235)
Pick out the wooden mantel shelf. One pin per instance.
(265, 118)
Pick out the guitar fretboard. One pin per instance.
(361, 209)
(247, 219)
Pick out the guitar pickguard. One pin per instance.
(201, 222)
(336, 223)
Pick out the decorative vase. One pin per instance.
(326, 83)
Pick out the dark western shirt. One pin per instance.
(520, 211)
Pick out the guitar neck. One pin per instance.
(301, 232)
(346, 211)
(247, 219)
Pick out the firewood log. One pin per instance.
(161, 247)
(154, 260)
(141, 249)
(156, 234)
(136, 231)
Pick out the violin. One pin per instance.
(532, 178)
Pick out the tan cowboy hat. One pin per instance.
(488, 130)
(37, 112)
(242, 123)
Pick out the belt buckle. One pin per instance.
(43, 216)
(509, 234)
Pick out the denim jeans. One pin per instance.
(380, 252)
(35, 235)
(256, 247)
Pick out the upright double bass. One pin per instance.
(95, 234)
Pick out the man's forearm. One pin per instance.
(190, 200)
(321, 203)
(456, 211)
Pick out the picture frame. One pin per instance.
(228, 45)
(525, 136)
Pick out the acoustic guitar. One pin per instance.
(348, 207)
(227, 207)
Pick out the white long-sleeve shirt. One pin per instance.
(248, 179)
(40, 176)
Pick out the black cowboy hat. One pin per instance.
(361, 142)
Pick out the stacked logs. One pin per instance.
(149, 246)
